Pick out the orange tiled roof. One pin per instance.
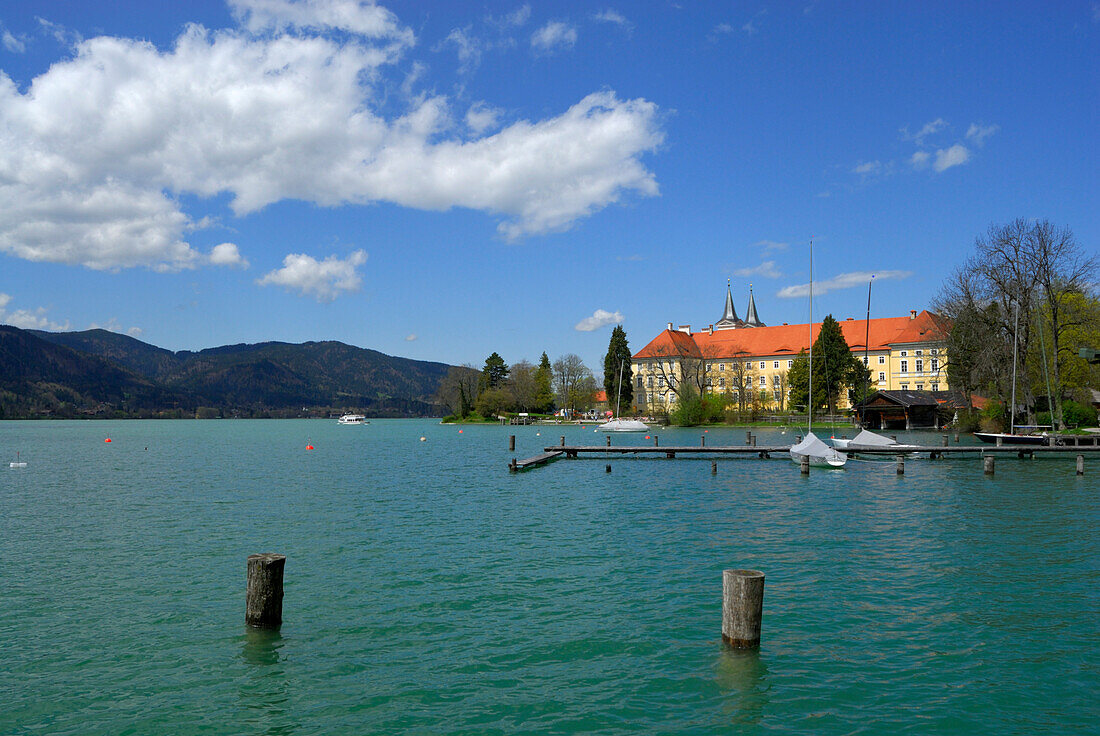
(789, 339)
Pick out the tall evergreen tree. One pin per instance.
(833, 362)
(618, 357)
(494, 372)
(544, 386)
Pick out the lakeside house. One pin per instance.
(749, 360)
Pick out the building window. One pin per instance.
(775, 380)
(881, 377)
(935, 387)
(649, 381)
(721, 366)
(748, 381)
(763, 381)
(935, 364)
(661, 382)
(920, 386)
(904, 365)
(762, 364)
(775, 364)
(790, 363)
(882, 360)
(639, 381)
(748, 365)
(721, 382)
(920, 365)
(776, 394)
(904, 353)
(707, 369)
(905, 387)
(866, 360)
(920, 352)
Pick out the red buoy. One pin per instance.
(309, 447)
(107, 440)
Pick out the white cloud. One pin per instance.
(26, 319)
(769, 245)
(11, 43)
(95, 154)
(927, 130)
(227, 254)
(362, 18)
(752, 27)
(766, 269)
(552, 36)
(919, 160)
(323, 280)
(113, 325)
(868, 168)
(468, 47)
(410, 338)
(481, 117)
(978, 133)
(613, 16)
(841, 281)
(957, 155)
(600, 318)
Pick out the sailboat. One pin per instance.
(17, 463)
(1011, 438)
(818, 453)
(617, 424)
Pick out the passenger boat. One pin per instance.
(352, 419)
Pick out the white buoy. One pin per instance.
(423, 439)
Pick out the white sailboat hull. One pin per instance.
(820, 455)
(623, 425)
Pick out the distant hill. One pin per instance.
(100, 372)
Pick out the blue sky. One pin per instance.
(444, 180)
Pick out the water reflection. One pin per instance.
(743, 676)
(264, 691)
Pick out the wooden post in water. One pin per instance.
(607, 468)
(513, 466)
(511, 443)
(901, 465)
(742, 607)
(945, 440)
(563, 441)
(754, 440)
(804, 464)
(1080, 465)
(702, 440)
(748, 437)
(999, 441)
(609, 440)
(656, 441)
(714, 466)
(956, 438)
(264, 598)
(988, 465)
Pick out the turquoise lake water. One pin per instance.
(429, 591)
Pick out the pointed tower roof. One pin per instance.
(729, 317)
(751, 319)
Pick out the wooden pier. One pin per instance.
(768, 451)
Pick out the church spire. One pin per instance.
(729, 317)
(751, 319)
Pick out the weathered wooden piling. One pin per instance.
(804, 464)
(264, 599)
(607, 468)
(754, 440)
(987, 465)
(702, 440)
(656, 441)
(945, 440)
(563, 441)
(748, 437)
(742, 607)
(513, 466)
(512, 443)
(609, 440)
(1080, 465)
(956, 438)
(901, 465)
(1000, 441)
(714, 467)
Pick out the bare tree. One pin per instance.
(572, 380)
(521, 384)
(458, 391)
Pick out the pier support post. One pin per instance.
(956, 438)
(607, 468)
(513, 466)
(264, 599)
(511, 443)
(945, 439)
(656, 441)
(804, 465)
(748, 437)
(563, 441)
(1000, 441)
(742, 607)
(901, 465)
(1080, 465)
(754, 440)
(609, 440)
(702, 440)
(988, 465)
(714, 465)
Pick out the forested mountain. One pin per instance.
(96, 372)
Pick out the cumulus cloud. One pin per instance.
(614, 17)
(956, 155)
(920, 159)
(552, 36)
(841, 281)
(227, 254)
(113, 325)
(766, 269)
(468, 47)
(978, 133)
(410, 338)
(481, 117)
(96, 153)
(928, 129)
(771, 245)
(868, 168)
(323, 280)
(600, 318)
(11, 43)
(28, 319)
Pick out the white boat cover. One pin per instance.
(819, 453)
(622, 425)
(870, 439)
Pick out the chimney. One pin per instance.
(912, 314)
(685, 328)
(849, 319)
(710, 329)
(670, 325)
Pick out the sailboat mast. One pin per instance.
(619, 393)
(866, 347)
(1012, 409)
(810, 388)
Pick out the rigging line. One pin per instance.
(1046, 374)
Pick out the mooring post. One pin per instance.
(264, 598)
(999, 441)
(1080, 465)
(511, 443)
(656, 441)
(714, 467)
(748, 437)
(901, 465)
(607, 468)
(702, 440)
(988, 465)
(742, 607)
(563, 441)
(754, 440)
(804, 464)
(513, 466)
(956, 438)
(609, 440)
(945, 439)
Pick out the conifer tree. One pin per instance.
(544, 386)
(618, 356)
(833, 363)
